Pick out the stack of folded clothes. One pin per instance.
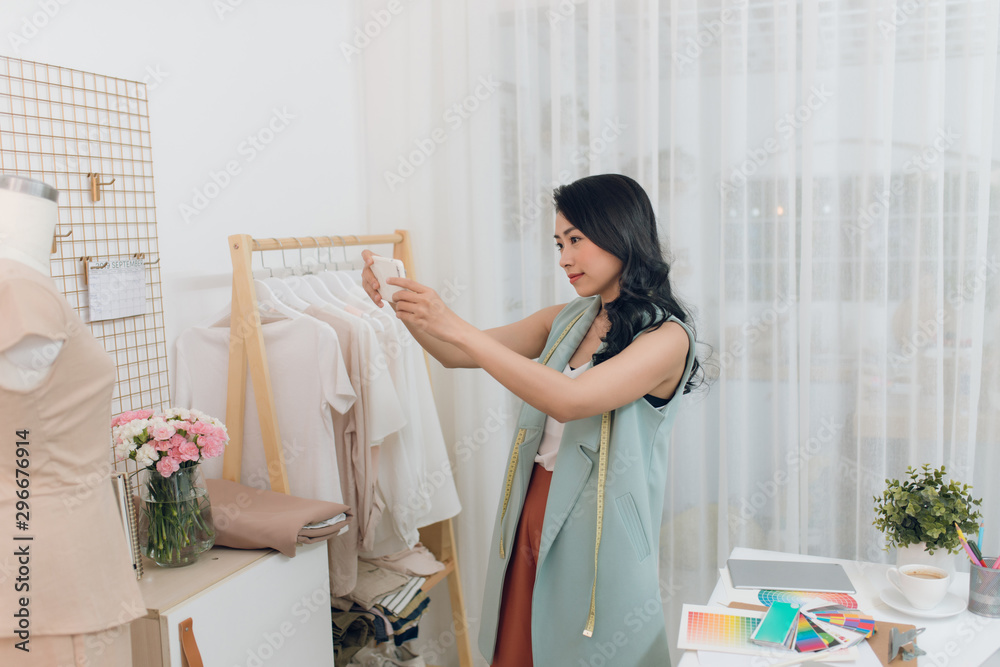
(387, 602)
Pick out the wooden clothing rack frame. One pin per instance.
(247, 350)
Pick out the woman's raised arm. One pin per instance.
(526, 337)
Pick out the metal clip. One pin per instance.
(59, 236)
(96, 185)
(899, 640)
(86, 268)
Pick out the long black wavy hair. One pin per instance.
(614, 212)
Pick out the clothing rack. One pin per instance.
(246, 349)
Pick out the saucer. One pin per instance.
(949, 606)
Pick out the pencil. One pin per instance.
(979, 542)
(968, 549)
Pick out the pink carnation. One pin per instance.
(219, 433)
(189, 451)
(201, 428)
(211, 446)
(167, 466)
(175, 441)
(181, 425)
(164, 432)
(131, 415)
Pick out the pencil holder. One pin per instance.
(984, 589)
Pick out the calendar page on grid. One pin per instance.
(117, 289)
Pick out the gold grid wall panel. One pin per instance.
(58, 125)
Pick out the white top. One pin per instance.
(549, 446)
(305, 400)
(415, 480)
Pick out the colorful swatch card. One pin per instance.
(800, 598)
(810, 638)
(706, 628)
(844, 637)
(849, 620)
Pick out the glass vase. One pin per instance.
(175, 516)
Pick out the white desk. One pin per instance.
(965, 640)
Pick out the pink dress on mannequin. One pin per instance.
(80, 585)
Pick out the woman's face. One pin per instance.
(591, 269)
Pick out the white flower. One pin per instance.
(146, 456)
(122, 451)
(133, 429)
(182, 413)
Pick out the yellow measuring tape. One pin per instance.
(602, 472)
(520, 437)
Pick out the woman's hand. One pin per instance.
(421, 307)
(368, 280)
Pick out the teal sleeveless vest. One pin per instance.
(596, 599)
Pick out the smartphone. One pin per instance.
(386, 267)
(777, 627)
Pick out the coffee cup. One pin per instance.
(923, 586)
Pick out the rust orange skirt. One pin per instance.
(513, 646)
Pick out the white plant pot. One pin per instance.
(916, 554)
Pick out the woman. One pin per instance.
(573, 575)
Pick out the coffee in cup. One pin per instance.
(923, 586)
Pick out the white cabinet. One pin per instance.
(249, 608)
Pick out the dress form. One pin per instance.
(28, 216)
(56, 389)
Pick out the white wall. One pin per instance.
(214, 78)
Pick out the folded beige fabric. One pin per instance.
(249, 518)
(417, 562)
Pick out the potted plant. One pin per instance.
(919, 514)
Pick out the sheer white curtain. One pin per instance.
(827, 179)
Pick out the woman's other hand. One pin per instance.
(421, 307)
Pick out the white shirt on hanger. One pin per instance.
(305, 400)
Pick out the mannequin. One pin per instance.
(56, 386)
(28, 216)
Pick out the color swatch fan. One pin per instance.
(849, 620)
(801, 598)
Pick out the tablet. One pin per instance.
(782, 575)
